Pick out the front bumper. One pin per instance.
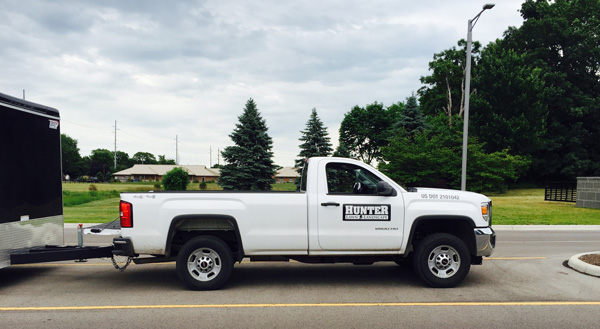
(485, 239)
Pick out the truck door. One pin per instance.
(351, 215)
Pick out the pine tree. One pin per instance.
(249, 163)
(315, 140)
(411, 119)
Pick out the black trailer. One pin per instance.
(31, 206)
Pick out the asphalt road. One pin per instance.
(524, 285)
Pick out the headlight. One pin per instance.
(486, 212)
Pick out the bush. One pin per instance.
(92, 188)
(157, 186)
(433, 159)
(176, 180)
(203, 186)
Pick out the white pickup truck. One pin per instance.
(346, 211)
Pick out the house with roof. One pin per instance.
(200, 173)
(286, 174)
(155, 172)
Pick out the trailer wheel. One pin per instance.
(442, 260)
(204, 263)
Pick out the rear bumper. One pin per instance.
(123, 247)
(485, 239)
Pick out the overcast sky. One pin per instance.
(163, 69)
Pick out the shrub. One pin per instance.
(176, 180)
(92, 188)
(203, 186)
(433, 159)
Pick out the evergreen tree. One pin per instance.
(315, 140)
(342, 151)
(249, 163)
(411, 119)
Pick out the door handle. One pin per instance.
(327, 204)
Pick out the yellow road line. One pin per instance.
(514, 258)
(203, 306)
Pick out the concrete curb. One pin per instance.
(583, 267)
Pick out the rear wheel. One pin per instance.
(204, 263)
(442, 260)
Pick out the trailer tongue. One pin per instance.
(60, 253)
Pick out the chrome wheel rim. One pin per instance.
(204, 264)
(443, 261)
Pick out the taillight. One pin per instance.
(126, 214)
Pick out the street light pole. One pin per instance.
(472, 22)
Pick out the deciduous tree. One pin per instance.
(144, 158)
(433, 159)
(101, 160)
(562, 39)
(72, 163)
(443, 90)
(365, 130)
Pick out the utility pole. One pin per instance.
(210, 163)
(219, 157)
(23, 94)
(176, 150)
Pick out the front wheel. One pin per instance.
(442, 260)
(204, 263)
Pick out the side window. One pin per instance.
(343, 178)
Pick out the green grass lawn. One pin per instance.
(81, 206)
(527, 207)
(101, 211)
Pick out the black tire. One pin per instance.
(204, 263)
(442, 260)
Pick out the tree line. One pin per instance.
(101, 162)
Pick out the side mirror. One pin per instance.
(384, 189)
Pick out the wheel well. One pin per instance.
(185, 228)
(461, 227)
